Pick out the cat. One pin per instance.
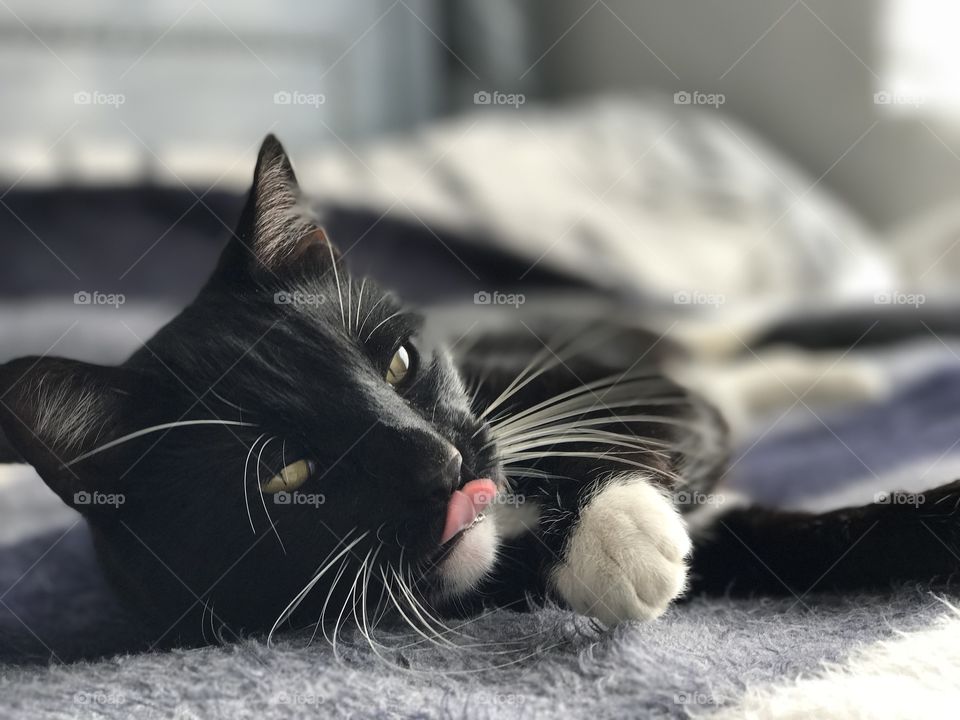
(297, 447)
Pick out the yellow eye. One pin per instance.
(290, 478)
(399, 366)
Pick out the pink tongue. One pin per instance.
(465, 504)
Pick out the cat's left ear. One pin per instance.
(54, 410)
(277, 229)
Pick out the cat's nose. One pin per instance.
(451, 471)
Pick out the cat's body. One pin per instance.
(297, 448)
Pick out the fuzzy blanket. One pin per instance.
(701, 657)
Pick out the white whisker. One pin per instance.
(349, 322)
(246, 486)
(385, 320)
(298, 598)
(155, 428)
(370, 313)
(550, 358)
(336, 275)
(323, 610)
(350, 595)
(363, 284)
(584, 393)
(263, 499)
(594, 455)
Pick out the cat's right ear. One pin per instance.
(277, 230)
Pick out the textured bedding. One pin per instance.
(64, 641)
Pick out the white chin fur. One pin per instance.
(470, 560)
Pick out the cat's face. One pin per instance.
(299, 421)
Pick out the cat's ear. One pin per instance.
(53, 410)
(276, 229)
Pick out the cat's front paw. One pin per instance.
(626, 557)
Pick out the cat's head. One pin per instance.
(291, 420)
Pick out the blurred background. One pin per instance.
(744, 156)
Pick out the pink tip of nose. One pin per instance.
(465, 504)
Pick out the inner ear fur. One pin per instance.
(277, 229)
(52, 410)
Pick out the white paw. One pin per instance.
(626, 558)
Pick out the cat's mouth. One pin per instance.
(465, 508)
(467, 547)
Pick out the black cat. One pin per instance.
(295, 448)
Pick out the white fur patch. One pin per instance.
(626, 558)
(471, 559)
(915, 676)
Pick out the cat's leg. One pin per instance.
(903, 538)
